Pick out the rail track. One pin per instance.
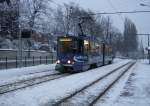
(9, 87)
(65, 101)
(40, 72)
(110, 86)
(29, 80)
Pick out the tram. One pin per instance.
(80, 53)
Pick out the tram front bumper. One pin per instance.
(59, 67)
(68, 67)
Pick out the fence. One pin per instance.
(7, 62)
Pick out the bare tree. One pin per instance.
(130, 36)
(8, 18)
(59, 24)
(33, 11)
(67, 20)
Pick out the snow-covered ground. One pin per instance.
(132, 90)
(10, 75)
(45, 93)
(137, 89)
(88, 95)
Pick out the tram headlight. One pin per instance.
(58, 61)
(69, 62)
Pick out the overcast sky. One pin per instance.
(141, 20)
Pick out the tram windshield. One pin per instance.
(67, 45)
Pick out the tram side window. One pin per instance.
(110, 50)
(97, 48)
(86, 47)
(106, 50)
(92, 47)
(103, 49)
(100, 49)
(75, 47)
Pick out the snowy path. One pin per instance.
(45, 93)
(137, 89)
(132, 90)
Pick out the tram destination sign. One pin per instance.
(65, 39)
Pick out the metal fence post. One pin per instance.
(33, 60)
(16, 62)
(40, 60)
(103, 54)
(52, 58)
(46, 59)
(0, 64)
(25, 61)
(6, 62)
(148, 49)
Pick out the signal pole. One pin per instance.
(19, 35)
(148, 44)
(148, 49)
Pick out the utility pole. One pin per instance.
(67, 27)
(19, 35)
(148, 40)
(148, 49)
(108, 38)
(148, 44)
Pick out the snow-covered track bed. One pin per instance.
(88, 95)
(27, 76)
(29, 80)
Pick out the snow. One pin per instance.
(117, 60)
(132, 90)
(112, 95)
(19, 72)
(46, 93)
(86, 97)
(137, 89)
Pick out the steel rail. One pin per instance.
(57, 103)
(110, 86)
(29, 82)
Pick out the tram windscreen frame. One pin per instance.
(70, 45)
(67, 45)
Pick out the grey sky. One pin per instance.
(141, 20)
